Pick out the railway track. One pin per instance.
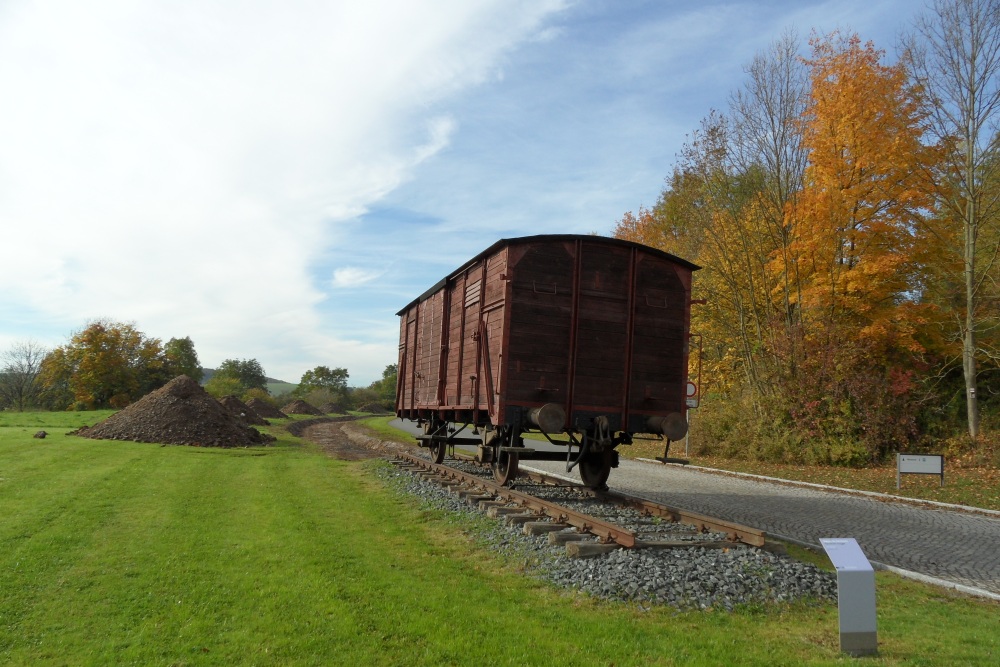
(574, 515)
(556, 552)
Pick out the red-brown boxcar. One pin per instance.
(582, 335)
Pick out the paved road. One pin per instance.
(958, 547)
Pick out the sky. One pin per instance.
(276, 179)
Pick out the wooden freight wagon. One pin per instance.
(583, 336)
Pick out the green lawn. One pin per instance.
(128, 553)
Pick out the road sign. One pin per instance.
(692, 395)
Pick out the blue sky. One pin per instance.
(276, 179)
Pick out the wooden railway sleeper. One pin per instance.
(607, 533)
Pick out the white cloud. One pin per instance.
(352, 276)
(185, 165)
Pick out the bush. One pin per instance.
(261, 395)
(737, 427)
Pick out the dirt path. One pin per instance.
(331, 438)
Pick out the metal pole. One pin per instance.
(687, 436)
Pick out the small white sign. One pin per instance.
(919, 464)
(855, 595)
(926, 464)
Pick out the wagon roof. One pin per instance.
(545, 238)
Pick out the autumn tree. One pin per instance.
(767, 138)
(957, 62)
(864, 195)
(801, 204)
(19, 386)
(724, 209)
(106, 364)
(854, 225)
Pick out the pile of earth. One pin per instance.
(265, 409)
(179, 413)
(300, 407)
(242, 410)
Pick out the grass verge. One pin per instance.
(118, 552)
(975, 487)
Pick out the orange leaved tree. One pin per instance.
(855, 225)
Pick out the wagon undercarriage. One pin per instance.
(503, 447)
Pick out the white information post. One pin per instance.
(855, 595)
(919, 464)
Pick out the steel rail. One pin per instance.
(606, 531)
(735, 531)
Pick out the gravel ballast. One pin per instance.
(684, 578)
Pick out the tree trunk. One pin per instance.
(969, 335)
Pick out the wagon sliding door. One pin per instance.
(540, 321)
(602, 330)
(429, 338)
(660, 338)
(407, 363)
(480, 298)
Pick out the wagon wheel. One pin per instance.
(504, 463)
(596, 468)
(437, 447)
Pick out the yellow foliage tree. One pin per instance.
(854, 225)
(105, 365)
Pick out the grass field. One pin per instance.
(128, 553)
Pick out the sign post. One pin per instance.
(855, 596)
(692, 400)
(919, 464)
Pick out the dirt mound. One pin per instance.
(242, 410)
(265, 409)
(300, 407)
(179, 413)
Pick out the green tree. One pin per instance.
(248, 372)
(182, 358)
(322, 377)
(385, 388)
